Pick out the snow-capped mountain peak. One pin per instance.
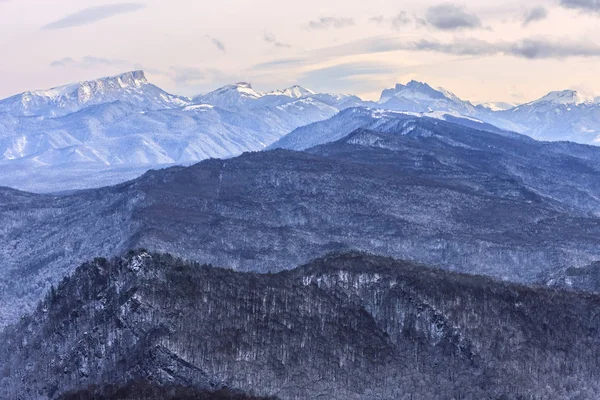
(295, 92)
(230, 96)
(416, 90)
(246, 89)
(420, 97)
(563, 97)
(131, 87)
(127, 80)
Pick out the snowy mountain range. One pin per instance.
(112, 129)
(242, 96)
(559, 116)
(118, 127)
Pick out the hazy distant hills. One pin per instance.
(347, 326)
(411, 187)
(113, 129)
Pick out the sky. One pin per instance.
(483, 51)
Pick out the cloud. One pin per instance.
(372, 45)
(270, 38)
(217, 43)
(86, 62)
(185, 76)
(535, 14)
(93, 14)
(463, 47)
(330, 22)
(400, 20)
(449, 17)
(63, 62)
(541, 48)
(192, 80)
(286, 62)
(347, 76)
(397, 22)
(379, 19)
(526, 48)
(349, 70)
(582, 5)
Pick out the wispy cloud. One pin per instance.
(86, 62)
(526, 48)
(217, 43)
(379, 19)
(397, 22)
(347, 76)
(185, 76)
(348, 70)
(93, 14)
(285, 62)
(192, 80)
(270, 38)
(582, 5)
(330, 22)
(372, 45)
(449, 17)
(535, 14)
(400, 20)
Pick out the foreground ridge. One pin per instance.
(346, 326)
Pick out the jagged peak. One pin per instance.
(418, 85)
(412, 87)
(130, 79)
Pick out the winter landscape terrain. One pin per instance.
(315, 200)
(297, 245)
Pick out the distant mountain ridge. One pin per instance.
(112, 129)
(348, 120)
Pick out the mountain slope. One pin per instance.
(563, 115)
(348, 120)
(131, 88)
(421, 189)
(116, 141)
(343, 327)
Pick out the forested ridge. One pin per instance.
(347, 326)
